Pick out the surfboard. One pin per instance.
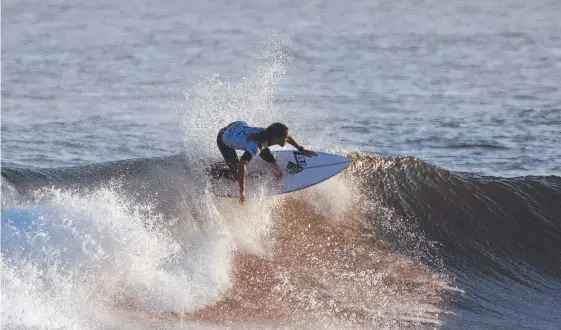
(299, 172)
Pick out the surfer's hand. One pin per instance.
(242, 197)
(309, 153)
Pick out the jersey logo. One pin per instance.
(292, 168)
(300, 159)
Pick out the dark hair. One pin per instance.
(275, 129)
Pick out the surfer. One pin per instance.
(253, 140)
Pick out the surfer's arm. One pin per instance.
(295, 144)
(242, 165)
(300, 148)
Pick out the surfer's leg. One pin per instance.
(229, 154)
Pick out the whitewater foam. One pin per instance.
(82, 254)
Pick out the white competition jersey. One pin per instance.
(236, 137)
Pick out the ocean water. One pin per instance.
(449, 216)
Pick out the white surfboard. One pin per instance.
(299, 172)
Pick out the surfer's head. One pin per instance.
(276, 133)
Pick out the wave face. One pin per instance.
(498, 237)
(390, 242)
(480, 220)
